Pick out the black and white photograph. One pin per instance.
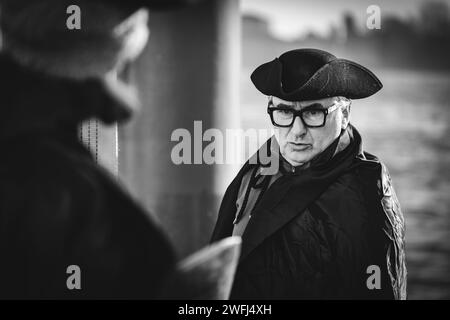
(222, 156)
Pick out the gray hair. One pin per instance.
(340, 99)
(345, 101)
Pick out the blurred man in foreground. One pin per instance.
(57, 206)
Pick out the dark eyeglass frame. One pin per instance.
(299, 113)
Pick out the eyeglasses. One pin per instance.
(313, 116)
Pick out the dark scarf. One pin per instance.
(290, 195)
(293, 193)
(260, 181)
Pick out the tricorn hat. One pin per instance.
(310, 74)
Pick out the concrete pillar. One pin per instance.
(188, 72)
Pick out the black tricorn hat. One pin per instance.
(311, 74)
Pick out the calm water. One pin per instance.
(407, 125)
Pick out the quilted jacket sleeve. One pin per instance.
(386, 235)
(394, 230)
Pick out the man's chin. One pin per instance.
(297, 160)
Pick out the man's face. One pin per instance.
(299, 143)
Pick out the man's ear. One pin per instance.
(132, 34)
(345, 116)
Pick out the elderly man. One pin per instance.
(327, 224)
(58, 208)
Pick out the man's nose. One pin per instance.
(298, 128)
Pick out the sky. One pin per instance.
(289, 19)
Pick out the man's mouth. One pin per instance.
(299, 146)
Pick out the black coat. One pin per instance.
(58, 207)
(322, 249)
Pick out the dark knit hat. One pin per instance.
(36, 34)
